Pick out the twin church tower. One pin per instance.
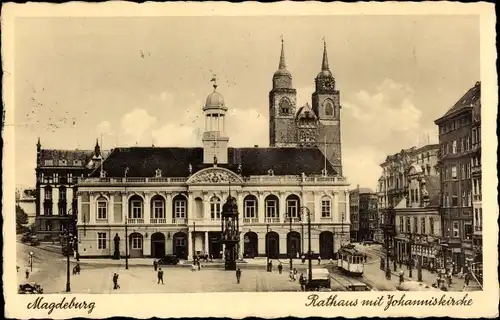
(316, 126)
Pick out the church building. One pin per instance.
(166, 200)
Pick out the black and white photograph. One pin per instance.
(313, 154)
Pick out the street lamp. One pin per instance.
(308, 213)
(194, 238)
(267, 246)
(31, 260)
(410, 256)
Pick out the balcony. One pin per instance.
(325, 219)
(96, 181)
(272, 220)
(179, 221)
(477, 197)
(476, 170)
(158, 220)
(135, 221)
(250, 220)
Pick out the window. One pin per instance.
(474, 135)
(467, 231)
(464, 199)
(136, 240)
(415, 225)
(180, 209)
(431, 225)
(270, 172)
(467, 143)
(455, 229)
(48, 193)
(454, 200)
(328, 109)
(422, 228)
(49, 162)
(62, 162)
(101, 240)
(292, 207)
(136, 209)
(70, 178)
(462, 171)
(215, 208)
(454, 146)
(469, 198)
(250, 208)
(62, 194)
(158, 173)
(77, 163)
(408, 225)
(102, 209)
(447, 148)
(159, 209)
(468, 171)
(284, 107)
(271, 208)
(55, 176)
(454, 172)
(325, 208)
(180, 242)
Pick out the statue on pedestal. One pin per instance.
(116, 254)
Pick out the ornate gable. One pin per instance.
(215, 175)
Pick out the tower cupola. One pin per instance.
(282, 78)
(215, 139)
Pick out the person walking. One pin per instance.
(303, 259)
(155, 265)
(238, 275)
(115, 281)
(294, 274)
(199, 264)
(27, 273)
(280, 268)
(466, 280)
(302, 281)
(160, 276)
(290, 275)
(401, 276)
(319, 259)
(366, 257)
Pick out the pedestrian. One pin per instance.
(290, 275)
(77, 256)
(160, 276)
(280, 268)
(193, 267)
(449, 279)
(115, 281)
(302, 282)
(17, 268)
(401, 276)
(78, 268)
(155, 264)
(27, 273)
(294, 274)
(366, 257)
(199, 265)
(303, 259)
(238, 275)
(319, 259)
(431, 267)
(211, 257)
(270, 266)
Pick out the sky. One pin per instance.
(143, 80)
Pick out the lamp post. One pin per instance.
(31, 261)
(308, 213)
(267, 246)
(193, 239)
(410, 256)
(126, 220)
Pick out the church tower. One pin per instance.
(326, 106)
(282, 107)
(215, 140)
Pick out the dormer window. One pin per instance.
(77, 163)
(270, 172)
(49, 162)
(158, 173)
(103, 174)
(62, 162)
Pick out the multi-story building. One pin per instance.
(418, 223)
(57, 172)
(364, 204)
(26, 199)
(393, 184)
(168, 200)
(455, 159)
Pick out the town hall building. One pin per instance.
(166, 200)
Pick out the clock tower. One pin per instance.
(282, 107)
(326, 106)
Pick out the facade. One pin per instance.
(393, 184)
(168, 200)
(418, 222)
(26, 199)
(456, 156)
(477, 223)
(316, 126)
(57, 172)
(364, 204)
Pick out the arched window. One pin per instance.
(215, 207)
(292, 205)
(102, 208)
(180, 207)
(158, 207)
(250, 205)
(284, 107)
(136, 241)
(328, 109)
(272, 207)
(326, 207)
(136, 207)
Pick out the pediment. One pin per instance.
(215, 176)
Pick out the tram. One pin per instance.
(350, 260)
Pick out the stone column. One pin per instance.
(111, 209)
(169, 214)
(335, 208)
(93, 206)
(42, 199)
(190, 207)
(206, 242)
(147, 207)
(190, 245)
(261, 212)
(55, 201)
(282, 206)
(124, 207)
(241, 248)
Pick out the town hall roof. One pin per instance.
(175, 162)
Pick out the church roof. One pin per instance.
(69, 155)
(174, 162)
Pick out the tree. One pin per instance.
(21, 219)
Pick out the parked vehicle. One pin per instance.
(350, 260)
(26, 237)
(30, 288)
(34, 241)
(169, 259)
(320, 280)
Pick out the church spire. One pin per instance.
(282, 65)
(324, 65)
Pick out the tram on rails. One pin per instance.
(350, 260)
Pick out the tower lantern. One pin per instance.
(230, 232)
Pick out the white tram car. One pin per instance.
(350, 261)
